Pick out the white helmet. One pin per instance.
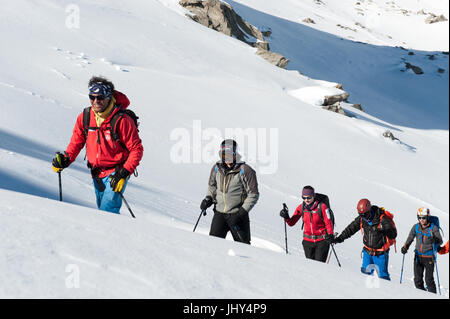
(423, 212)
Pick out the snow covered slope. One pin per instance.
(67, 251)
(378, 22)
(190, 87)
(371, 67)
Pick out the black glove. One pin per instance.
(284, 213)
(337, 240)
(330, 238)
(404, 250)
(60, 162)
(207, 202)
(117, 181)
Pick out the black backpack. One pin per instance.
(117, 116)
(322, 198)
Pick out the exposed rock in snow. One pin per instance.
(309, 20)
(336, 107)
(221, 17)
(432, 18)
(414, 68)
(388, 134)
(358, 107)
(332, 99)
(274, 58)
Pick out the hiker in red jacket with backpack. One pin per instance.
(318, 226)
(113, 146)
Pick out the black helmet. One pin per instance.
(228, 151)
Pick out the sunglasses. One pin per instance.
(98, 97)
(423, 218)
(306, 197)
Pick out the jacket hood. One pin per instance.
(121, 99)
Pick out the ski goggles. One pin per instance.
(98, 97)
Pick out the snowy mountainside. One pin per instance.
(376, 71)
(378, 22)
(191, 87)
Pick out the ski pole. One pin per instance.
(128, 206)
(285, 228)
(437, 274)
(235, 233)
(203, 212)
(285, 237)
(337, 259)
(60, 187)
(401, 274)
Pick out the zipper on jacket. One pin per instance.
(310, 225)
(226, 182)
(223, 193)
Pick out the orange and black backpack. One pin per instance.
(388, 241)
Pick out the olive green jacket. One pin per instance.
(233, 188)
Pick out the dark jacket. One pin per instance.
(375, 231)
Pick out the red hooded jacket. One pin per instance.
(101, 150)
(316, 227)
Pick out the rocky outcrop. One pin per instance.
(336, 107)
(220, 16)
(358, 107)
(388, 134)
(332, 99)
(432, 18)
(308, 20)
(274, 58)
(414, 68)
(333, 102)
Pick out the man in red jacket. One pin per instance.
(112, 156)
(318, 227)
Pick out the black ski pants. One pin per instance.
(421, 265)
(317, 251)
(223, 223)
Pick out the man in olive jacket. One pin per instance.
(233, 189)
(428, 239)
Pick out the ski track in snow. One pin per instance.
(36, 95)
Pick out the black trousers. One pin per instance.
(317, 251)
(223, 223)
(421, 265)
